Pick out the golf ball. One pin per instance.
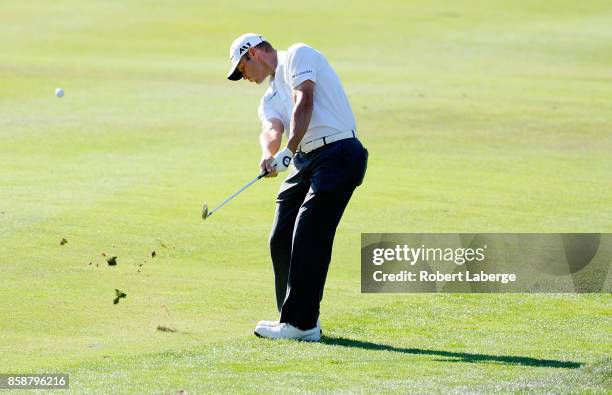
(59, 92)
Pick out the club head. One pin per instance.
(205, 211)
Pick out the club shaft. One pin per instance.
(237, 193)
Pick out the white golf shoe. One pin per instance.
(288, 331)
(267, 323)
(274, 323)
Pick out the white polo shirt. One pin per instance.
(276, 101)
(331, 111)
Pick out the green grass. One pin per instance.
(479, 117)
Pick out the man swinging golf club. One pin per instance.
(305, 99)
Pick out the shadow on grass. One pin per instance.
(455, 356)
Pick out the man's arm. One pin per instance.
(270, 141)
(303, 99)
(303, 102)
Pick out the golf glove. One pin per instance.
(282, 160)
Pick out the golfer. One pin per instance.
(306, 101)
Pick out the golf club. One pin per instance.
(206, 213)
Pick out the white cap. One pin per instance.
(239, 47)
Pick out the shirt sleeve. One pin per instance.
(268, 108)
(302, 64)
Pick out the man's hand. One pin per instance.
(267, 164)
(281, 160)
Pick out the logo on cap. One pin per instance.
(245, 47)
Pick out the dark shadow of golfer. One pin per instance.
(453, 356)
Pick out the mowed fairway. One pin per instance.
(479, 117)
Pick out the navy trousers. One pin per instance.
(309, 206)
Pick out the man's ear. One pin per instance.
(253, 53)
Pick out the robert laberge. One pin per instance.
(425, 276)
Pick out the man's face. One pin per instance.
(252, 68)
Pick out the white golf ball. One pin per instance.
(59, 92)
